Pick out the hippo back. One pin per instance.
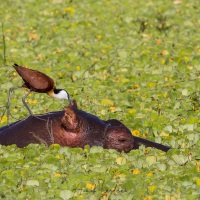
(28, 130)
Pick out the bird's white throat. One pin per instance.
(62, 94)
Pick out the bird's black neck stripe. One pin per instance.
(56, 91)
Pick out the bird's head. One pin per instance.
(59, 94)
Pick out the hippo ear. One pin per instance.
(69, 120)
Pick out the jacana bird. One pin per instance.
(39, 82)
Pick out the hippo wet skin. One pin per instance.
(73, 128)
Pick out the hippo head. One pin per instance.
(119, 138)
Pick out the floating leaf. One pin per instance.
(180, 159)
(123, 54)
(185, 92)
(99, 168)
(96, 149)
(32, 183)
(190, 127)
(106, 102)
(161, 167)
(121, 160)
(151, 160)
(8, 174)
(6, 85)
(169, 128)
(66, 194)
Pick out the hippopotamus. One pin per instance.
(73, 127)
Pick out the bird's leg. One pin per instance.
(24, 102)
(70, 101)
(8, 103)
(9, 96)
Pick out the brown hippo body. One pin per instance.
(74, 128)
(30, 130)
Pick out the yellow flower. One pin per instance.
(21, 188)
(198, 167)
(80, 197)
(151, 85)
(151, 188)
(22, 173)
(112, 108)
(189, 67)
(60, 74)
(69, 10)
(32, 101)
(165, 95)
(120, 176)
(4, 119)
(33, 36)
(136, 86)
(96, 60)
(78, 67)
(150, 174)
(131, 111)
(198, 181)
(117, 79)
(164, 52)
(56, 12)
(158, 41)
(7, 18)
(144, 135)
(86, 150)
(135, 133)
(90, 186)
(86, 53)
(7, 31)
(135, 171)
(99, 37)
(55, 28)
(148, 198)
(103, 51)
(57, 175)
(183, 119)
(186, 59)
(58, 156)
(39, 56)
(57, 51)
